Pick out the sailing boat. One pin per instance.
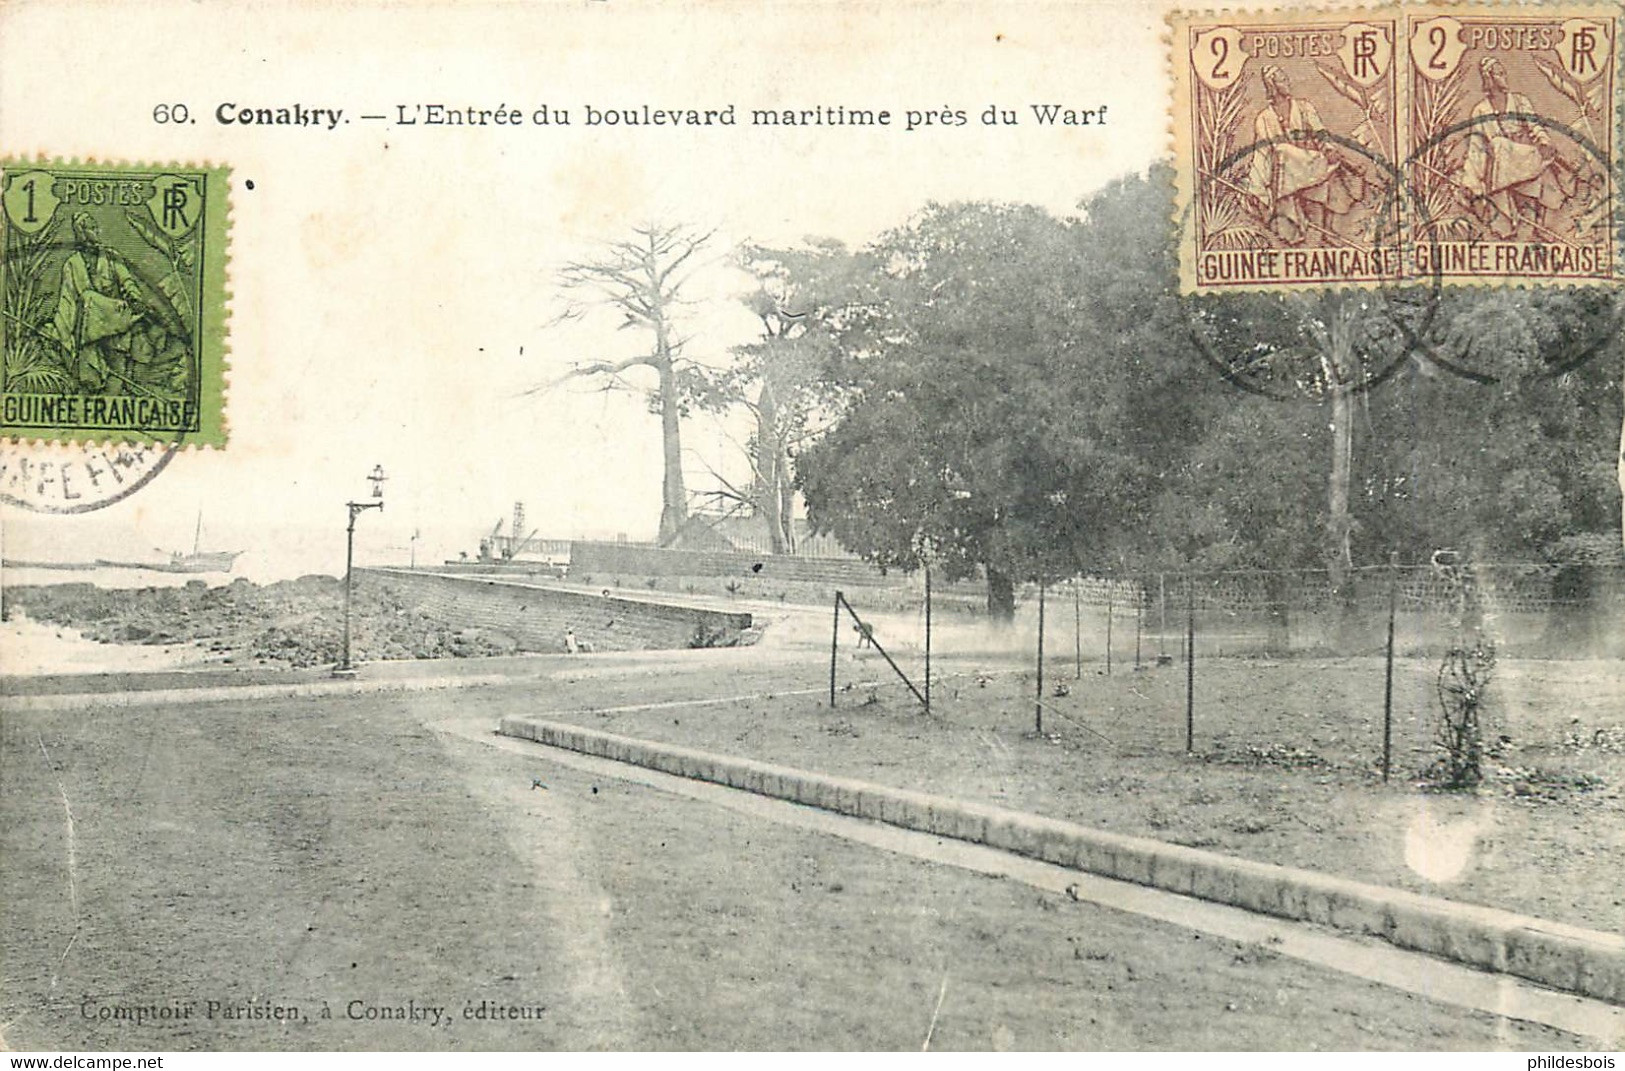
(199, 561)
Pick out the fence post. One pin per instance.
(1109, 599)
(1388, 680)
(869, 639)
(1038, 704)
(1190, 663)
(1139, 618)
(834, 642)
(928, 641)
(1162, 616)
(1077, 628)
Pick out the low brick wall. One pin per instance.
(587, 558)
(536, 617)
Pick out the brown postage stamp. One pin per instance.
(1372, 146)
(1286, 128)
(1511, 129)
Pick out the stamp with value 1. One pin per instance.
(1396, 146)
(113, 282)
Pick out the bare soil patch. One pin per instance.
(322, 852)
(289, 623)
(262, 856)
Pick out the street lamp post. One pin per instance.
(346, 668)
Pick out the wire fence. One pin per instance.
(1537, 610)
(1287, 668)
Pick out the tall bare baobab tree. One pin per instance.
(641, 278)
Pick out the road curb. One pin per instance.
(1587, 962)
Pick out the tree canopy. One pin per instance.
(986, 422)
(1029, 396)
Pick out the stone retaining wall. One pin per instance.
(536, 616)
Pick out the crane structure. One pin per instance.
(497, 548)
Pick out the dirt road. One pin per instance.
(336, 873)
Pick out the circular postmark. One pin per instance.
(1467, 255)
(1560, 228)
(65, 478)
(1302, 296)
(103, 367)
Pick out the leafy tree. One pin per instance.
(951, 446)
(1031, 396)
(1329, 429)
(1499, 439)
(1331, 350)
(1142, 380)
(1025, 393)
(806, 299)
(1484, 425)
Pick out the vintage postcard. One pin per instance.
(550, 526)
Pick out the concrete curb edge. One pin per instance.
(1577, 960)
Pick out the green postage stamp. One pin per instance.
(114, 319)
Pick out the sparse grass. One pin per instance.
(1286, 767)
(343, 851)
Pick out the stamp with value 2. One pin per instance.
(1286, 131)
(1511, 123)
(1419, 144)
(113, 282)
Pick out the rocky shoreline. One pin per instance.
(293, 623)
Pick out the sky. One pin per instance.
(394, 286)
